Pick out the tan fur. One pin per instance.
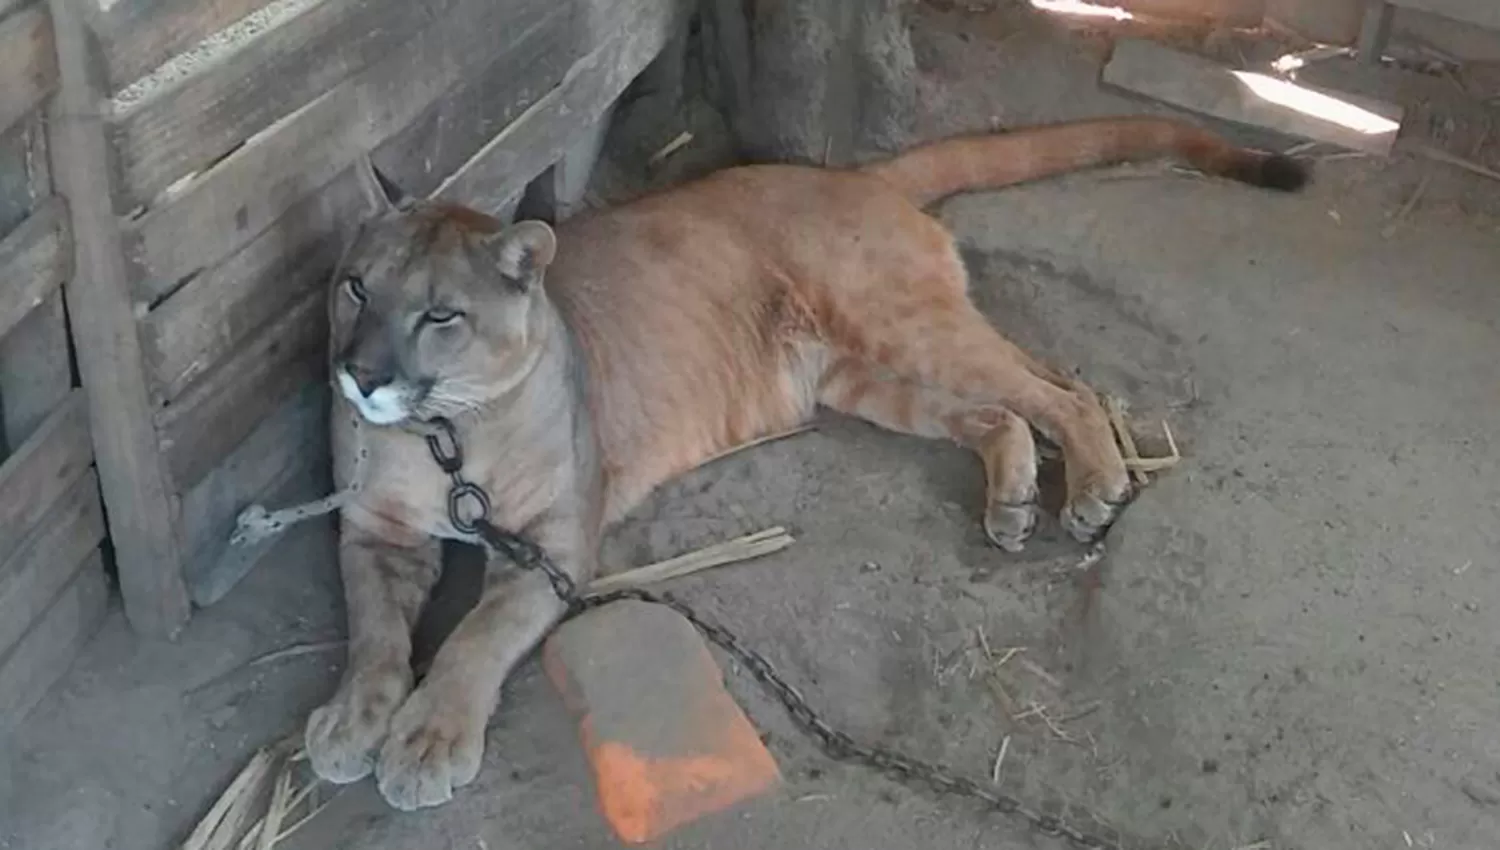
(666, 331)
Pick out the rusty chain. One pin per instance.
(444, 447)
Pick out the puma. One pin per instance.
(583, 368)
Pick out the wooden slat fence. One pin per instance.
(53, 587)
(206, 153)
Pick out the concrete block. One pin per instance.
(665, 741)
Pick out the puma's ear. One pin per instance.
(524, 251)
(381, 194)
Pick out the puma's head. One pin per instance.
(435, 309)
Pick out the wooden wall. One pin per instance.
(213, 195)
(53, 590)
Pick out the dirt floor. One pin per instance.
(1290, 644)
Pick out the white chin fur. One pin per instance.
(382, 407)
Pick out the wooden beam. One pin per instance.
(49, 557)
(35, 259)
(137, 494)
(173, 131)
(35, 664)
(28, 64)
(1193, 83)
(1375, 31)
(37, 475)
(135, 36)
(538, 137)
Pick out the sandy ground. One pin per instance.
(1291, 640)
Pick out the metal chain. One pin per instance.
(838, 745)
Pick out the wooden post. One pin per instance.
(137, 492)
(726, 36)
(1375, 32)
(825, 81)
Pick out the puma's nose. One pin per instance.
(368, 380)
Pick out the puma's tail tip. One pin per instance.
(1272, 171)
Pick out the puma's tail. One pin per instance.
(934, 171)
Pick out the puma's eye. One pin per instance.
(441, 316)
(355, 286)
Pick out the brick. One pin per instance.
(665, 741)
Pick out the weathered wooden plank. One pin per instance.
(137, 492)
(28, 64)
(135, 36)
(284, 461)
(1484, 13)
(249, 190)
(16, 201)
(35, 259)
(34, 665)
(192, 332)
(49, 557)
(33, 478)
(199, 430)
(540, 136)
(1194, 83)
(175, 130)
(36, 371)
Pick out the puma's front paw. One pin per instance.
(436, 744)
(343, 736)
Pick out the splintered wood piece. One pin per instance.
(1116, 412)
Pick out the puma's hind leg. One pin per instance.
(955, 348)
(1002, 439)
(943, 342)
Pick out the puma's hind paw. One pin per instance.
(1009, 525)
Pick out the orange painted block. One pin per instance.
(666, 742)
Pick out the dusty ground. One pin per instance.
(1292, 639)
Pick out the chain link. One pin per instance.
(836, 744)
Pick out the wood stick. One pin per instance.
(1151, 464)
(1116, 412)
(1456, 161)
(729, 552)
(1406, 208)
(1000, 760)
(670, 148)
